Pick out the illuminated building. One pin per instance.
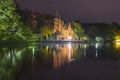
(62, 31)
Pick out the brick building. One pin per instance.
(61, 30)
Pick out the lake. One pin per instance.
(62, 61)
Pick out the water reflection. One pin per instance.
(97, 46)
(62, 54)
(9, 62)
(16, 60)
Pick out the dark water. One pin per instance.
(93, 61)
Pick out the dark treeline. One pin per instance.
(102, 31)
(35, 20)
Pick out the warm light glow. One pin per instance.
(117, 43)
(69, 46)
(62, 54)
(70, 38)
(69, 51)
(65, 32)
(117, 39)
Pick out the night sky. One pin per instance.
(107, 11)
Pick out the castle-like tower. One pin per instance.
(62, 31)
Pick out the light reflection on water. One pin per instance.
(62, 54)
(17, 60)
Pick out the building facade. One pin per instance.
(61, 30)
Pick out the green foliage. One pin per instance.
(11, 27)
(10, 24)
(78, 30)
(93, 32)
(114, 30)
(46, 31)
(104, 31)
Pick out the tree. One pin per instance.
(92, 31)
(10, 25)
(46, 31)
(113, 30)
(78, 30)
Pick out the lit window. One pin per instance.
(70, 37)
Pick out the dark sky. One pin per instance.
(107, 11)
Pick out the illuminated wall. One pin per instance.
(65, 31)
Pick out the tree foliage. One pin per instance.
(11, 26)
(78, 30)
(104, 31)
(46, 31)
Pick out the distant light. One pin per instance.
(69, 46)
(33, 52)
(69, 53)
(117, 44)
(96, 45)
(96, 55)
(85, 46)
(99, 39)
(118, 41)
(70, 38)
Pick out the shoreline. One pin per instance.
(48, 42)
